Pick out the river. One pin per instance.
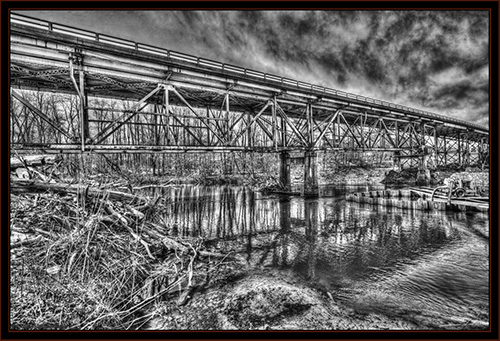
(429, 268)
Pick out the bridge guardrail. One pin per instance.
(84, 34)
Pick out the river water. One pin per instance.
(430, 268)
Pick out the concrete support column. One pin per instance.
(310, 174)
(396, 161)
(285, 171)
(424, 174)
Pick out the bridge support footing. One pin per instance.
(424, 173)
(285, 171)
(310, 174)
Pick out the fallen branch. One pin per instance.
(114, 213)
(23, 186)
(136, 213)
(25, 242)
(33, 160)
(174, 245)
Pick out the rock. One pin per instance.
(261, 302)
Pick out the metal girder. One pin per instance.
(347, 125)
(114, 82)
(329, 121)
(263, 127)
(391, 141)
(188, 130)
(216, 119)
(203, 119)
(292, 126)
(38, 73)
(112, 127)
(250, 123)
(45, 74)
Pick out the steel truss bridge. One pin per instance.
(174, 102)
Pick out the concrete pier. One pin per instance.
(310, 174)
(424, 173)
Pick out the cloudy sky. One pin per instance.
(431, 60)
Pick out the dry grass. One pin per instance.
(88, 269)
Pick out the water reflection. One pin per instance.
(344, 240)
(344, 247)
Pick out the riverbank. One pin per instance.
(266, 300)
(277, 299)
(106, 263)
(99, 254)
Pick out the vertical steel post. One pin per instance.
(467, 149)
(396, 136)
(228, 133)
(338, 132)
(209, 138)
(284, 142)
(310, 159)
(361, 129)
(274, 122)
(459, 150)
(167, 113)
(436, 147)
(310, 124)
(396, 161)
(249, 130)
(84, 107)
(445, 150)
(332, 130)
(77, 88)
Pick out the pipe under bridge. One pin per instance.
(136, 98)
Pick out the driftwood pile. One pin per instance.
(93, 234)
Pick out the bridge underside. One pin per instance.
(71, 96)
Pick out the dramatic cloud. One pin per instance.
(433, 60)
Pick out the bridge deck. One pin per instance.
(47, 56)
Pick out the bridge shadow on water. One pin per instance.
(430, 268)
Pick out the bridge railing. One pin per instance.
(198, 61)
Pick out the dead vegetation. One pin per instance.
(90, 257)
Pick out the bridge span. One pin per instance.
(136, 98)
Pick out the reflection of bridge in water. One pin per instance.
(161, 101)
(318, 238)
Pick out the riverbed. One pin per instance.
(324, 263)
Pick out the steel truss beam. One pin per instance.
(248, 114)
(116, 124)
(40, 114)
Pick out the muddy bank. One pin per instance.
(266, 300)
(241, 298)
